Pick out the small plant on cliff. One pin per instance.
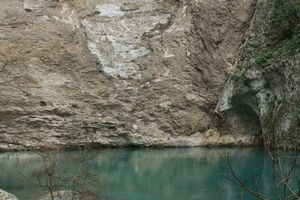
(263, 58)
(238, 76)
(284, 48)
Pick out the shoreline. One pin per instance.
(208, 139)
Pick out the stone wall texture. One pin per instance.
(117, 72)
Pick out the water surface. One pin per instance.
(151, 174)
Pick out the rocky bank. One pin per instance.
(132, 72)
(7, 196)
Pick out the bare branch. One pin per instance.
(242, 184)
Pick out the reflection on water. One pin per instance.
(153, 174)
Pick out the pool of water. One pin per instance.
(148, 174)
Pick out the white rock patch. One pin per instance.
(115, 36)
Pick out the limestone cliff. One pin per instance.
(118, 72)
(262, 96)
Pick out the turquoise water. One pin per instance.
(150, 174)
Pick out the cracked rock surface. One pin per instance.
(116, 72)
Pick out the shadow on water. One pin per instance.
(153, 174)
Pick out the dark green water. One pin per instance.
(151, 174)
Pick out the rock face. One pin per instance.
(117, 72)
(262, 96)
(7, 196)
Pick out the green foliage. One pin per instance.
(297, 7)
(263, 57)
(285, 18)
(238, 76)
(284, 48)
(284, 34)
(288, 46)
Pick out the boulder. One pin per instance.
(7, 196)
